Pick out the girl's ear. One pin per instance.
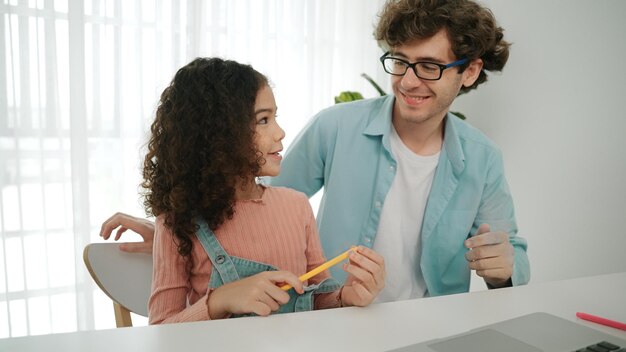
(470, 75)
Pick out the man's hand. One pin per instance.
(491, 255)
(123, 222)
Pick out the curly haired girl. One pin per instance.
(224, 243)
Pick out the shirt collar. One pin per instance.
(452, 143)
(380, 119)
(380, 124)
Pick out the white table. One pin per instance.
(375, 328)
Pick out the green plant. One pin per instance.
(347, 96)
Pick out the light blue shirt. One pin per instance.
(345, 149)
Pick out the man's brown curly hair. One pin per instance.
(201, 146)
(472, 30)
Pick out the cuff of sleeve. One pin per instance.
(508, 283)
(339, 295)
(208, 311)
(328, 300)
(208, 296)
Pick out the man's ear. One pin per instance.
(470, 75)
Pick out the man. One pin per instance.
(404, 176)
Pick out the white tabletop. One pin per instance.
(375, 328)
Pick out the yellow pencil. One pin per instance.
(322, 267)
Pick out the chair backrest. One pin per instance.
(124, 277)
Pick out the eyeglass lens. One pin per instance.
(424, 70)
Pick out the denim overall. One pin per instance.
(228, 269)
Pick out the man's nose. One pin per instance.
(410, 79)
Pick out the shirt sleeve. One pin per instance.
(496, 209)
(170, 283)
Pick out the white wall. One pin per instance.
(558, 113)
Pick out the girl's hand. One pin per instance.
(366, 279)
(259, 294)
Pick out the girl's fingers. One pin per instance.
(279, 278)
(372, 265)
(261, 309)
(357, 295)
(362, 277)
(372, 255)
(270, 302)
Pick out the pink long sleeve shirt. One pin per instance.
(279, 229)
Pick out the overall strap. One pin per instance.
(221, 261)
(306, 301)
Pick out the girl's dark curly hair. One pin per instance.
(201, 146)
(472, 30)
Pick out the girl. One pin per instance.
(224, 244)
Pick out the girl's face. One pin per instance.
(268, 137)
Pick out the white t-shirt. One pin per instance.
(400, 227)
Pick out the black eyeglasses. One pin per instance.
(430, 71)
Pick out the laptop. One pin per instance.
(529, 333)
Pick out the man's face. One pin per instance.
(420, 101)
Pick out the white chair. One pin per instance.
(124, 277)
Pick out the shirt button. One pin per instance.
(368, 240)
(391, 168)
(220, 259)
